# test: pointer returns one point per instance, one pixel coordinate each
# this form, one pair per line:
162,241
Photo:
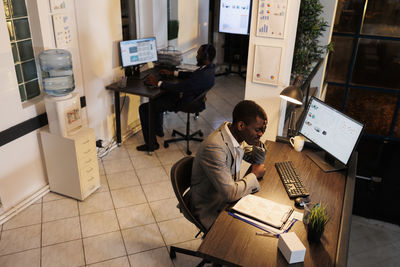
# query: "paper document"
263,210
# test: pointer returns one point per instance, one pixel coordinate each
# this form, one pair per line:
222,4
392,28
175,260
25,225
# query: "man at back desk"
178,94
216,167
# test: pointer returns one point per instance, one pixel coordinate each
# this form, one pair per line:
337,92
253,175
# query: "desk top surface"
136,87
235,241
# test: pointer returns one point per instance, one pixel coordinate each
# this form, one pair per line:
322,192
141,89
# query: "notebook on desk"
263,210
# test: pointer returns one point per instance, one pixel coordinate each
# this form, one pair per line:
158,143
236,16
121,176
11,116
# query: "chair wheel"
166,145
189,152
173,134
201,134
172,254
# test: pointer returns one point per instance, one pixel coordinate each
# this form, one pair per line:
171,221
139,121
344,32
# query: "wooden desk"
134,87
234,243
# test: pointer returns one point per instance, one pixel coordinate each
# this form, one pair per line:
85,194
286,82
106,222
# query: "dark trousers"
167,102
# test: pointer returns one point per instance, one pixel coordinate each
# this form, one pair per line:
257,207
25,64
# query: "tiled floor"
132,219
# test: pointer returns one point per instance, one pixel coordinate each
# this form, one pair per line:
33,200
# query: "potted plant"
317,220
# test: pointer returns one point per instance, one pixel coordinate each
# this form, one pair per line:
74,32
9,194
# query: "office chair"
181,173
194,107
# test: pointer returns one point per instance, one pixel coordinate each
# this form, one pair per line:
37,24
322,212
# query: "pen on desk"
266,234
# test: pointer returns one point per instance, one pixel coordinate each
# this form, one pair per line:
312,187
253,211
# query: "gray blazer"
215,180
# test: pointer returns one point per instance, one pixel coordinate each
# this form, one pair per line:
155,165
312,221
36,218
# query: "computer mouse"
299,203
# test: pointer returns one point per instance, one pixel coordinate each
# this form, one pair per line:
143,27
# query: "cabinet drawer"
89,172
85,145
85,160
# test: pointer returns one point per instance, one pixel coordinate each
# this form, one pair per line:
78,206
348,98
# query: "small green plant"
317,220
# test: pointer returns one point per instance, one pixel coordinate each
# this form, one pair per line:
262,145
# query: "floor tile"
142,238
101,168
158,191
169,156
122,180
103,184
183,260
28,258
152,258
103,247
99,223
177,230
152,175
29,216
118,262
19,239
119,165
52,196
165,209
60,231
65,254
59,209
96,202
117,153
136,215
128,196
145,161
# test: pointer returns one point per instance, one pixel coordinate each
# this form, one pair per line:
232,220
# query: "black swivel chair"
194,107
181,173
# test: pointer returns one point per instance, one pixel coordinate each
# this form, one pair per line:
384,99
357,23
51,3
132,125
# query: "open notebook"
263,210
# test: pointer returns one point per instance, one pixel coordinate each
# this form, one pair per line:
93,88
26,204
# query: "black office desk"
234,243
134,87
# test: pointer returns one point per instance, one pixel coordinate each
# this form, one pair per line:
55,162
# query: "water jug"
57,75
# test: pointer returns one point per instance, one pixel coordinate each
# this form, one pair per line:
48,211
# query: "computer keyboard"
291,180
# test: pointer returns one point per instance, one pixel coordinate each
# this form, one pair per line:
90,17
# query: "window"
22,49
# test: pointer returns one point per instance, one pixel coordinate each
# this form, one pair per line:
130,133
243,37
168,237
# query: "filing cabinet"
71,163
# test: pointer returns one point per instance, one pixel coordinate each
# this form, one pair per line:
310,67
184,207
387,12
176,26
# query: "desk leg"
151,128
117,117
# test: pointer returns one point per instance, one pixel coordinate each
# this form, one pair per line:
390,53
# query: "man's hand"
166,73
151,80
255,154
258,170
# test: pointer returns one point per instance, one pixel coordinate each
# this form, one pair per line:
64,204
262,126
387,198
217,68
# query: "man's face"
253,131
200,57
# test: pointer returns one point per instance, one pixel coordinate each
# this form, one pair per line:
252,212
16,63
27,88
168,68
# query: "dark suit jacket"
192,84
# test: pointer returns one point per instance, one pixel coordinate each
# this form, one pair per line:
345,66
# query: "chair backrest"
181,174
196,105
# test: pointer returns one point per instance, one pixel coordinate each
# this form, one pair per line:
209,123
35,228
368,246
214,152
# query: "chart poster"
271,18
234,16
267,61
56,5
62,31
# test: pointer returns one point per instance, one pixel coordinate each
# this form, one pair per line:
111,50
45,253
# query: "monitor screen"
234,16
135,52
331,130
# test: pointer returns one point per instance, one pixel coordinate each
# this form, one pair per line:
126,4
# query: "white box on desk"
291,247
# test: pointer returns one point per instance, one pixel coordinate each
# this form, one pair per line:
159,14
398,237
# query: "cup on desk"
297,142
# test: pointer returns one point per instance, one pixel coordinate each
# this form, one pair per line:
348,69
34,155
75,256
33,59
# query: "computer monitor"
140,51
234,16
334,132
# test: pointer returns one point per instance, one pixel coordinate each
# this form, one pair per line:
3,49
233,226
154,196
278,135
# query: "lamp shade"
292,93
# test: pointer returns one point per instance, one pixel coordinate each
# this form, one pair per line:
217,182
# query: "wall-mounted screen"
135,52
234,16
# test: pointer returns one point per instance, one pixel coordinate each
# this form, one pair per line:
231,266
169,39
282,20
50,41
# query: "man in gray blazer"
216,167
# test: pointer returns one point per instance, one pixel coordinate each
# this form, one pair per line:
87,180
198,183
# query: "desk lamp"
293,94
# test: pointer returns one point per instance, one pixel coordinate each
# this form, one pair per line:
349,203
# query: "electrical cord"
104,151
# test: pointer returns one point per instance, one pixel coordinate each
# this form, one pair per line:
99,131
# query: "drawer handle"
87,151
91,169
91,178
86,142
88,161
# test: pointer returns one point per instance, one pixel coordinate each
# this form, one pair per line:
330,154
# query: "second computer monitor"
135,52
331,130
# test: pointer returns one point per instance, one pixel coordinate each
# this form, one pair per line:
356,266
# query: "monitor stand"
326,162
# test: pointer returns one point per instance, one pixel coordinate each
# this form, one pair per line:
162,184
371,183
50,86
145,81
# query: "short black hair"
209,51
247,111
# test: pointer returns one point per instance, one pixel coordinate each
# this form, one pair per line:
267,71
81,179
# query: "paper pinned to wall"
56,5
271,18
62,30
267,61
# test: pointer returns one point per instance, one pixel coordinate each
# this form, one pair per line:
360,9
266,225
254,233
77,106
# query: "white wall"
268,95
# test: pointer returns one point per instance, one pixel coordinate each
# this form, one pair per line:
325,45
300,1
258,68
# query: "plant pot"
314,236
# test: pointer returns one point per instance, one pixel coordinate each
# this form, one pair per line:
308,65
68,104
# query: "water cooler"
63,107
